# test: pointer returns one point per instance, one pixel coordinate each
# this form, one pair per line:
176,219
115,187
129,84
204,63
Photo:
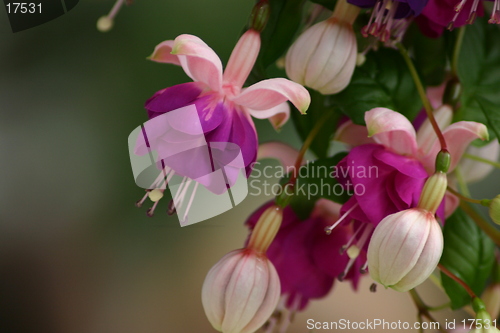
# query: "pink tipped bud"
405,248
324,56
433,192
241,292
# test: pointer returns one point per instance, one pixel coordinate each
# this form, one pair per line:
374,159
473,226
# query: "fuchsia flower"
306,258
404,159
386,14
223,108
441,14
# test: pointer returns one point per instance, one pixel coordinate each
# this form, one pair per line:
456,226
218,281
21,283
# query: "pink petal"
242,59
426,135
199,61
392,130
277,115
287,155
458,136
267,94
162,53
473,171
352,134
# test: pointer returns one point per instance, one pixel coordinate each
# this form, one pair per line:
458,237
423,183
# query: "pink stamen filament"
151,211
329,229
140,202
116,8
360,244
346,246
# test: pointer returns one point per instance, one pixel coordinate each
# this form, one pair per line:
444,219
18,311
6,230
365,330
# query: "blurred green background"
76,255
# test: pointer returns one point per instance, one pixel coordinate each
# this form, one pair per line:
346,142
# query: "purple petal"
172,98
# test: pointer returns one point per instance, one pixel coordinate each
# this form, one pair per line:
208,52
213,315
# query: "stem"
463,197
483,160
423,96
456,50
458,280
490,230
307,143
423,310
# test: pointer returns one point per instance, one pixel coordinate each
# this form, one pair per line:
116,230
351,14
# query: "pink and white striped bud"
242,290
324,56
405,249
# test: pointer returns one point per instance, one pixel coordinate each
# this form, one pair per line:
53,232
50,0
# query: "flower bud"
405,248
491,298
433,192
241,292
495,209
483,322
324,56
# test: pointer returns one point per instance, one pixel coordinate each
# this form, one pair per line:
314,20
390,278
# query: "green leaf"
315,181
304,124
429,54
330,4
479,73
382,81
284,21
469,254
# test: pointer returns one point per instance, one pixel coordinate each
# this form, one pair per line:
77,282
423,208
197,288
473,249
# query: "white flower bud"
324,56
241,292
405,248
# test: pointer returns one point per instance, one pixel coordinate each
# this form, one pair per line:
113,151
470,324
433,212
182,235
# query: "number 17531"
24,8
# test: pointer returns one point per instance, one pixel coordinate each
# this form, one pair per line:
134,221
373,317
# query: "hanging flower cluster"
408,152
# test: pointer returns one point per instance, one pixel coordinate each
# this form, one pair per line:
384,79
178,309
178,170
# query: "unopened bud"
241,292
324,56
405,249
260,16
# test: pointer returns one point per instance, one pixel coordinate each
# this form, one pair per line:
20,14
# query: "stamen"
354,250
151,211
381,20
373,287
139,203
364,269
346,246
171,208
105,23
329,229
495,13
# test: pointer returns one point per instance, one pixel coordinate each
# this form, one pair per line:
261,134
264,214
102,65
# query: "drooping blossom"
404,159
406,246
324,56
242,290
391,166
386,14
308,259
441,14
223,107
